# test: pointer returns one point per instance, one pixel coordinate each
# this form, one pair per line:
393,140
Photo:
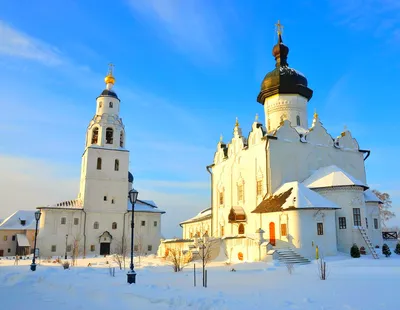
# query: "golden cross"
110,69
279,28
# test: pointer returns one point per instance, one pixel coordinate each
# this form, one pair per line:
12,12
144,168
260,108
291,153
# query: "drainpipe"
123,234
212,213
368,152
267,171
84,235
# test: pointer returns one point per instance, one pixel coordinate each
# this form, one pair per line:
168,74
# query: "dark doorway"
105,248
272,239
1,252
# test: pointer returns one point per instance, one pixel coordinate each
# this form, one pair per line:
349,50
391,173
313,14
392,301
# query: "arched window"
298,120
116,165
100,104
114,225
98,163
241,229
95,135
96,225
109,135
121,139
110,104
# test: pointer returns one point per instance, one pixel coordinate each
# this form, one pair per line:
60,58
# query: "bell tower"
105,161
284,91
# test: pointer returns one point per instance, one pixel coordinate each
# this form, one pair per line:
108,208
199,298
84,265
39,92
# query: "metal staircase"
368,242
289,256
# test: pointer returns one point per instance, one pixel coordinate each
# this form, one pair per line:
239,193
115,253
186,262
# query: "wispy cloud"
381,17
193,26
15,43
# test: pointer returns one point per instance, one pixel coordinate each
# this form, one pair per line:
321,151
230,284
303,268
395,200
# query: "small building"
17,233
197,226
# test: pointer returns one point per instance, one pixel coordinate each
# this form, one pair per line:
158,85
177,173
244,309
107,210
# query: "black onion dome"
283,79
108,93
130,177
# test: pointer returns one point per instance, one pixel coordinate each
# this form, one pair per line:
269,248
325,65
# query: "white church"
287,185
98,221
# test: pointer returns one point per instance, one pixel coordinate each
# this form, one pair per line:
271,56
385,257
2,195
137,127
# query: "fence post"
194,274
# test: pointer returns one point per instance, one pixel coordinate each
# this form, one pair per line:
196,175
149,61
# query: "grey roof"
14,221
145,206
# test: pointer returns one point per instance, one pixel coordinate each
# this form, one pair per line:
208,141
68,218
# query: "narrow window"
96,225
240,192
259,187
100,104
13,238
53,248
222,231
149,247
5,238
241,229
112,201
342,222
376,225
298,120
143,223
221,198
320,229
9,250
95,135
136,248
191,235
92,248
114,225
69,248
110,104
109,135
116,165
105,198
366,223
76,221
155,223
63,220
121,139
283,230
357,216
98,163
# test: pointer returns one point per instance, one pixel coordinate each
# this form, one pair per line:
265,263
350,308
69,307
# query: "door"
272,239
105,248
1,252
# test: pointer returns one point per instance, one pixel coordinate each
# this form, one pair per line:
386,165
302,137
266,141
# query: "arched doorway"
105,242
272,239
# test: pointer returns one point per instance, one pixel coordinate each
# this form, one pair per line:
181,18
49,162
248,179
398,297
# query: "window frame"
63,221
320,229
357,217
241,229
283,230
96,225
149,248
53,248
114,225
240,192
76,221
259,187
142,223
342,222
116,165
109,135
376,223
99,163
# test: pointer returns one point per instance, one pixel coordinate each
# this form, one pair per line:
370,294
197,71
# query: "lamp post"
37,218
133,194
66,242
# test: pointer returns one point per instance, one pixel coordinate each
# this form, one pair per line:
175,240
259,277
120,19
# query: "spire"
344,131
237,132
237,122
221,138
280,51
109,79
256,118
315,114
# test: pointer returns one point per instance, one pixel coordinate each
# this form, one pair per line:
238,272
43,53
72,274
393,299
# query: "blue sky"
184,70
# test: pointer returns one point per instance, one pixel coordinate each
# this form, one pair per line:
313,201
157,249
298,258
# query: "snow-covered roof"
369,196
202,215
67,204
145,206
16,220
331,176
291,196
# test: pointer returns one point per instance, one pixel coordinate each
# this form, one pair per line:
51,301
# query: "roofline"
206,217
59,208
296,209
364,187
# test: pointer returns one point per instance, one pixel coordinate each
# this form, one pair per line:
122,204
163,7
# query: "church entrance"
272,239
104,248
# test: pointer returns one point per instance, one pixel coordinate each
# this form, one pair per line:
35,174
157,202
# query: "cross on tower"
279,28
110,69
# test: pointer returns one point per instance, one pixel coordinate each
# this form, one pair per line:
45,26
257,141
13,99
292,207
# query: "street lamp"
37,218
133,194
66,242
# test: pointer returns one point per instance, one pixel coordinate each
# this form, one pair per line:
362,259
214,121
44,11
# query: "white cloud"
191,25
15,43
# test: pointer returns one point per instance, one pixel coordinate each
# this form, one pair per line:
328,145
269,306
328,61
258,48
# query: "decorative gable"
286,132
318,135
346,141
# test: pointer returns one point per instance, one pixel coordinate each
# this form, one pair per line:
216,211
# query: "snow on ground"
362,284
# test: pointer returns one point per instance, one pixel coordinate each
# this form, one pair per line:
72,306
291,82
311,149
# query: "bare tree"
384,211
120,253
322,269
139,246
207,246
178,258
75,250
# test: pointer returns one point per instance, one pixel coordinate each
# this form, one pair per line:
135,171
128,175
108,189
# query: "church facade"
98,221
290,184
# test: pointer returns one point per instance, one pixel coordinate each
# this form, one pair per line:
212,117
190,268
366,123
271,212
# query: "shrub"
355,251
397,249
65,265
386,250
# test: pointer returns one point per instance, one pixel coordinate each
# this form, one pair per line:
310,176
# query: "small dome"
130,177
109,79
283,79
109,93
